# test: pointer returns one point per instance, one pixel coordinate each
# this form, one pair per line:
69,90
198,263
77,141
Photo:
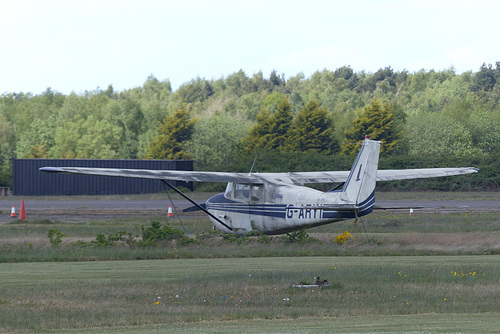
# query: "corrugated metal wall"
27,180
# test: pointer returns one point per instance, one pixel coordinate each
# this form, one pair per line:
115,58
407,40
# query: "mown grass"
86,295
416,324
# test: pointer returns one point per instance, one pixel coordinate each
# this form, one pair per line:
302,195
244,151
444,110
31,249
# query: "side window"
258,193
241,191
274,196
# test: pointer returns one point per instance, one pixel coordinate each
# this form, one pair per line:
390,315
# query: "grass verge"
388,234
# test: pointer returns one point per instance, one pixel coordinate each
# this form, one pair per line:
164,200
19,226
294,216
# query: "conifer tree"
174,131
271,131
280,125
377,121
312,130
258,134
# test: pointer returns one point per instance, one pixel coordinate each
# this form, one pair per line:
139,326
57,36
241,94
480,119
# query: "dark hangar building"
27,180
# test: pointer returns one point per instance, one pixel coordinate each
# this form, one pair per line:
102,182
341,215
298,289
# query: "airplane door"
257,207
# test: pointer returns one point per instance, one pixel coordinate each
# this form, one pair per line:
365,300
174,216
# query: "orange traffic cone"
170,214
22,214
13,212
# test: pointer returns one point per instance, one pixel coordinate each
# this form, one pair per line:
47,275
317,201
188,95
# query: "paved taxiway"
133,205
87,210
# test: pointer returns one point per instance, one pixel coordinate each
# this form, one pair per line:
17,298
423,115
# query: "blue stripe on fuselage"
219,202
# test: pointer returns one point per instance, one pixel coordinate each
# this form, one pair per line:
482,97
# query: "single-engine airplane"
276,203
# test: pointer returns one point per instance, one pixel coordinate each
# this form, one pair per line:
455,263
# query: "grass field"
421,323
367,294
427,273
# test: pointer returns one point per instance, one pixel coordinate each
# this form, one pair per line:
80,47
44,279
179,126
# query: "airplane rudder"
360,183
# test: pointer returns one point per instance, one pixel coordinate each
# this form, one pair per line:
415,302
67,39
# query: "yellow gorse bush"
341,238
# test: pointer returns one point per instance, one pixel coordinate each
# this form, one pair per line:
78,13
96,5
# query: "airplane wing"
422,173
176,175
298,178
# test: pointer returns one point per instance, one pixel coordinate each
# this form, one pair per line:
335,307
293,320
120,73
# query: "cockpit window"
242,191
257,193
245,192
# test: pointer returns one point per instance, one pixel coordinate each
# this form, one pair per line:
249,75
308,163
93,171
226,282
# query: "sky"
84,45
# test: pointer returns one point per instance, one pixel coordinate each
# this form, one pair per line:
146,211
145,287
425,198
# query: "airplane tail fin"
359,187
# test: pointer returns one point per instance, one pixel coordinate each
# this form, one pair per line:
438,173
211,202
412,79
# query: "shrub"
102,241
231,237
151,235
265,239
55,237
300,236
342,238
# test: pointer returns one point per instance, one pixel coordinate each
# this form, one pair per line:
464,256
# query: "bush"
102,241
340,239
238,239
300,236
151,235
55,237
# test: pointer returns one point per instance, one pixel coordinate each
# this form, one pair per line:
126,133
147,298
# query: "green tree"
257,137
312,130
197,90
485,78
174,132
34,142
217,139
431,134
279,126
379,122
7,144
272,131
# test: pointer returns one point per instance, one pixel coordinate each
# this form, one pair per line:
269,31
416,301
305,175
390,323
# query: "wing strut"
196,204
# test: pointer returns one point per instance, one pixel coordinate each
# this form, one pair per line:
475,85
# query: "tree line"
223,124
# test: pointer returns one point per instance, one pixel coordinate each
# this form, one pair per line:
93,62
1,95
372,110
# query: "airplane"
277,203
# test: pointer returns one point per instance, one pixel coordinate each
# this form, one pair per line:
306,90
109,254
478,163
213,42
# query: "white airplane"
276,203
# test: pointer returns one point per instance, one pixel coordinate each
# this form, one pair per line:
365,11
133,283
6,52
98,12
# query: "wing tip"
51,169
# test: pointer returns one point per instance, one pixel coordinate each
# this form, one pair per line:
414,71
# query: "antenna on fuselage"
253,164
